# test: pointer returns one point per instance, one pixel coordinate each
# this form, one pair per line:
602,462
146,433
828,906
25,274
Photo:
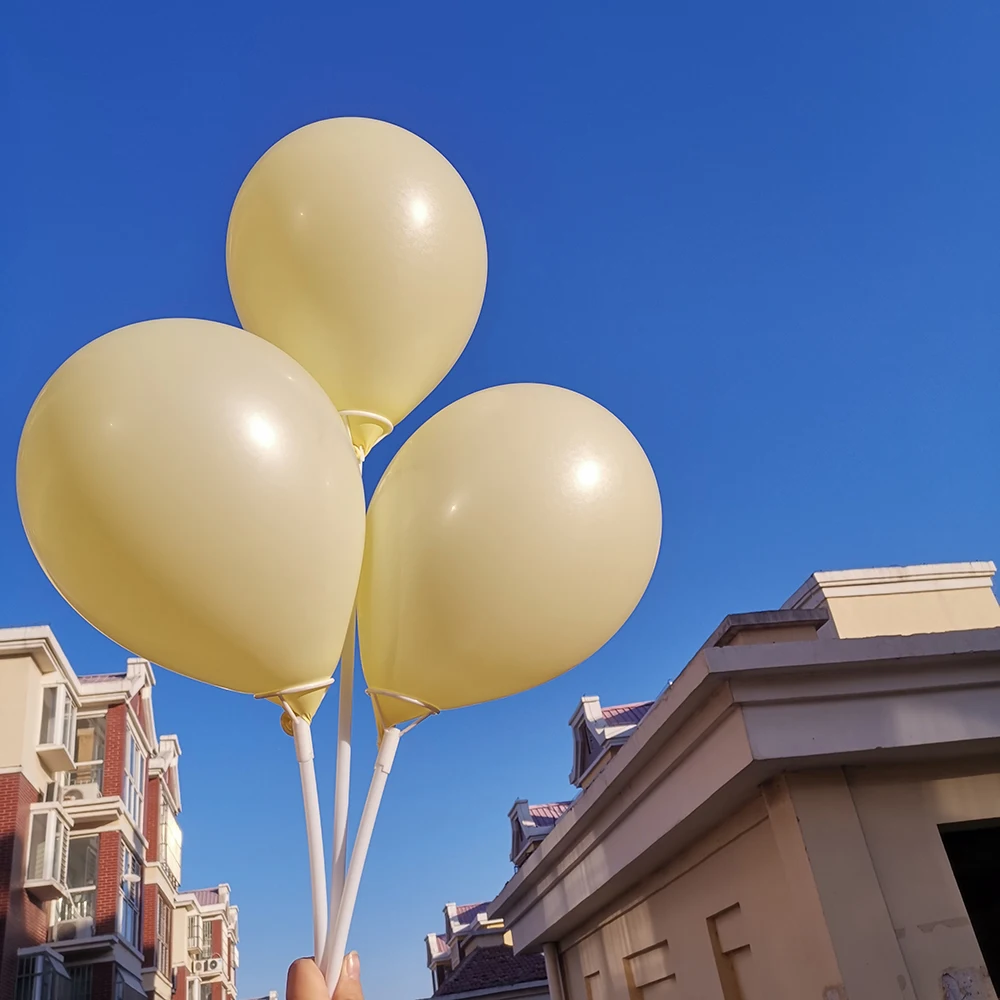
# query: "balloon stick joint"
288,716
296,689
383,424
428,708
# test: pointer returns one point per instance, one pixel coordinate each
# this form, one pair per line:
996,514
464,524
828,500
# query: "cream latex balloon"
508,540
191,491
357,248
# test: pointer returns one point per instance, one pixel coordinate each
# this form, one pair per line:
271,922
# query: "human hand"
305,981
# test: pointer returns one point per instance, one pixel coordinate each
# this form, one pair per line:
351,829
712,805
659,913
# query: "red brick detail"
217,993
103,982
108,884
152,819
23,920
151,897
114,750
217,940
180,983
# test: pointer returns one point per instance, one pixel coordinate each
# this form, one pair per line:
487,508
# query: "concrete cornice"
736,716
39,642
891,580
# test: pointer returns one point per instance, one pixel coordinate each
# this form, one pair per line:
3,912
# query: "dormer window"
57,733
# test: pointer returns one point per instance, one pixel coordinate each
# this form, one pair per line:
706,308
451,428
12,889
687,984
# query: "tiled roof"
547,814
441,943
94,678
469,910
206,896
626,715
488,968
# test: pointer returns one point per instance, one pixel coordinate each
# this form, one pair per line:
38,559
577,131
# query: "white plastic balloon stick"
336,943
314,829
342,791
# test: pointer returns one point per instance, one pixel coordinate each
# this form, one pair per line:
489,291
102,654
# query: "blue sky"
765,235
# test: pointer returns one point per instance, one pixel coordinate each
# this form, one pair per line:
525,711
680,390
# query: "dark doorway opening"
974,853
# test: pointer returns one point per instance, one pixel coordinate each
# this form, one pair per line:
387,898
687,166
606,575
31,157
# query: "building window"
135,777
208,938
170,841
194,933
163,914
206,991
39,978
81,979
90,735
58,716
81,877
47,848
192,990
129,897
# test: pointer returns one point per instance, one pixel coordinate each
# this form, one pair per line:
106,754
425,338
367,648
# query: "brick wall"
108,881
152,819
114,750
150,899
103,983
23,920
180,983
217,939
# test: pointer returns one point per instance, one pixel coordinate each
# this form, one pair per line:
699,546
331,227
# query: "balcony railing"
39,978
79,906
90,773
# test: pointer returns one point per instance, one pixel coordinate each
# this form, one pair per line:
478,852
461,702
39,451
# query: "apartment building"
810,808
474,960
91,905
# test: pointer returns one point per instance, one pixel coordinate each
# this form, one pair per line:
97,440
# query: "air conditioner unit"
72,930
86,792
209,967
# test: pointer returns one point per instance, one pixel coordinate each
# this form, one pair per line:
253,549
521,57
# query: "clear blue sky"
765,235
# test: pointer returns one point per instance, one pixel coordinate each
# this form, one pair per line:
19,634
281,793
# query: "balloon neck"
299,702
366,430
393,709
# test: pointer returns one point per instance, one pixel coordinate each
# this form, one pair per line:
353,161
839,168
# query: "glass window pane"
82,862
48,731
69,718
90,739
36,845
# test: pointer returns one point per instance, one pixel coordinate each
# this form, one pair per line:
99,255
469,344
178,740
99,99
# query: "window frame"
129,909
164,934
54,845
95,766
133,785
59,730
69,908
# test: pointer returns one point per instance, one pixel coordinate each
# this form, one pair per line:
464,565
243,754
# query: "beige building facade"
811,809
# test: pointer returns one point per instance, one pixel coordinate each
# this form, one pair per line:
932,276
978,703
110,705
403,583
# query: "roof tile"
488,968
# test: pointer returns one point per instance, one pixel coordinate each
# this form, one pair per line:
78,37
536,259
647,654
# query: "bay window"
58,728
48,843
